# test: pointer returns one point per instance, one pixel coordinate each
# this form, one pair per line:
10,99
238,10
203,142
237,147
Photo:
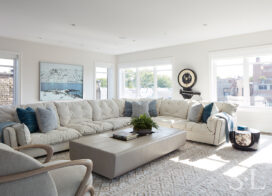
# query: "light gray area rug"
196,169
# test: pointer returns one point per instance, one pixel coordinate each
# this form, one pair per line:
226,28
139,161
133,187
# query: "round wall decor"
187,78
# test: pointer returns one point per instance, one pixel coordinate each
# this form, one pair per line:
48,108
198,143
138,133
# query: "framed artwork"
60,81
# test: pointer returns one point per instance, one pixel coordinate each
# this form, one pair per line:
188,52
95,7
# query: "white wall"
196,57
32,53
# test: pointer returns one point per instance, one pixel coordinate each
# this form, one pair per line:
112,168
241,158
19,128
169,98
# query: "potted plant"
143,125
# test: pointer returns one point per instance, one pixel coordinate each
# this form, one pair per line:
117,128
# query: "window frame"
244,53
110,78
141,64
16,74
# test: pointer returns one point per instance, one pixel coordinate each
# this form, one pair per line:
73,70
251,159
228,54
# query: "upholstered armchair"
22,175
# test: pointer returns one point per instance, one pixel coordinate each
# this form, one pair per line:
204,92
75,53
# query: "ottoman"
245,140
112,157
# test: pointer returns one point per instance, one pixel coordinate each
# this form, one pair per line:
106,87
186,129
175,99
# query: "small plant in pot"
143,124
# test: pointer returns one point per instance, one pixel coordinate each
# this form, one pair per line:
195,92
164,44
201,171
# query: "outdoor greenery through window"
245,80
101,83
7,82
146,82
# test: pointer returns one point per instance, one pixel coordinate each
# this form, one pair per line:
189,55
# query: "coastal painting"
60,81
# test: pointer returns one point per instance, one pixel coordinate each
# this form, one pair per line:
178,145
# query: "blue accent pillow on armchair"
207,112
28,117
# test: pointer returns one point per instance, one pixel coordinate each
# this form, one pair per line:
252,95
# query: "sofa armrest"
217,126
10,138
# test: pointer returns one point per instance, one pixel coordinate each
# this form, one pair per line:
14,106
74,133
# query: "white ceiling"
123,26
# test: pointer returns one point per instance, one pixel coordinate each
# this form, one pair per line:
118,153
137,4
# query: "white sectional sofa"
86,117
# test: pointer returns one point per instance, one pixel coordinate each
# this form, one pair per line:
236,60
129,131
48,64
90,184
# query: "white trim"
110,78
141,64
243,53
149,62
17,73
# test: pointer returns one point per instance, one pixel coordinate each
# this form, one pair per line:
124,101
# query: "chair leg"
89,189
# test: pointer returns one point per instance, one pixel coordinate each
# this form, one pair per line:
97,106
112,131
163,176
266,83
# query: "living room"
187,84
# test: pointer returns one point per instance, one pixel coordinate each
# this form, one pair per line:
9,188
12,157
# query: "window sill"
255,108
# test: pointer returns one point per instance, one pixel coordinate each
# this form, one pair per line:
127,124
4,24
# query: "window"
8,78
101,83
146,82
246,80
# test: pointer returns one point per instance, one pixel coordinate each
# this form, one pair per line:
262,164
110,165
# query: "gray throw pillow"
140,108
47,119
153,108
195,112
128,109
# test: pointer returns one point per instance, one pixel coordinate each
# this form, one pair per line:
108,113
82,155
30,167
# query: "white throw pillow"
22,133
229,108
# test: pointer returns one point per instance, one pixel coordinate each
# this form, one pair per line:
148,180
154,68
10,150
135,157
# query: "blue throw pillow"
153,108
128,109
28,117
207,112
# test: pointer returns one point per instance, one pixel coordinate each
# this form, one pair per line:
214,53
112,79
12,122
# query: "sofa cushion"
60,135
74,111
8,113
119,122
102,126
180,124
176,108
91,127
121,105
104,109
84,128
167,121
200,128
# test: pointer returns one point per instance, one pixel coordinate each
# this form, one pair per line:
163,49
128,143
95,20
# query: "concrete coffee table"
112,157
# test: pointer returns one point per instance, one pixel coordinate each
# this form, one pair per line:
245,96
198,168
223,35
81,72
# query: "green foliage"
143,122
147,79
103,82
130,78
164,82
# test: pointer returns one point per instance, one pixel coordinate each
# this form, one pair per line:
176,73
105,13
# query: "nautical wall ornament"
187,79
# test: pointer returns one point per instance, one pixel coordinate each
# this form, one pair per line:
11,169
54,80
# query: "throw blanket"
3,125
229,123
